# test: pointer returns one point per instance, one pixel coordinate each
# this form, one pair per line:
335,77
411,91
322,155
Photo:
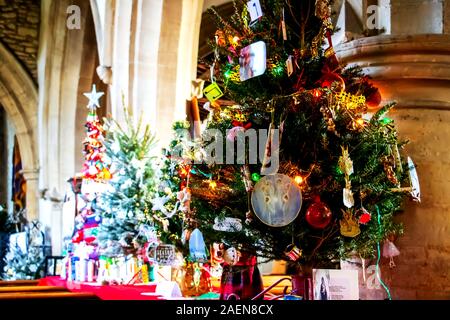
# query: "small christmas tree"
26,263
95,174
127,204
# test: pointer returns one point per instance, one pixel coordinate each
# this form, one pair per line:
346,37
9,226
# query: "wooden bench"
31,289
16,283
47,295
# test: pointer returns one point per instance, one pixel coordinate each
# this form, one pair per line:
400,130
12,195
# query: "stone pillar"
50,208
417,16
414,70
32,197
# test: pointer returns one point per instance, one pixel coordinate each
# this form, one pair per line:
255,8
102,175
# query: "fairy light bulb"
298,180
227,74
316,93
212,184
360,122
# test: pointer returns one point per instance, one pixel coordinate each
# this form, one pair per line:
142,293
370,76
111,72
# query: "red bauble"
374,99
318,215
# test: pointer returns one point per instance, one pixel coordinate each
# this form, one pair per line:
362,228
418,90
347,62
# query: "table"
105,292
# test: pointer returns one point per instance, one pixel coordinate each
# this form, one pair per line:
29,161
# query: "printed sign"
333,284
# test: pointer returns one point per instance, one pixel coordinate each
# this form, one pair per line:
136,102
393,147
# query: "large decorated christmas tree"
322,173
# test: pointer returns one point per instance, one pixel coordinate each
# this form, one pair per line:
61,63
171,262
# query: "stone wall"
19,30
3,157
422,270
414,70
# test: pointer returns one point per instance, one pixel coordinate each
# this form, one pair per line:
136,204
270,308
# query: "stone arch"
66,70
19,97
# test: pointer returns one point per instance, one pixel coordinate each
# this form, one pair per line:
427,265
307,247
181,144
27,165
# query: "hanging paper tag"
213,92
289,66
348,198
283,28
254,8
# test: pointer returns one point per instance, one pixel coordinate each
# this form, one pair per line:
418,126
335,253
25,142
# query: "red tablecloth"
118,292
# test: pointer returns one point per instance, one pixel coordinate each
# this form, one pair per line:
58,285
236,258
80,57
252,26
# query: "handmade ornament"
213,92
289,66
220,38
246,178
323,10
159,204
364,216
195,120
390,251
231,256
345,163
349,225
388,163
217,252
330,53
283,26
347,195
329,119
227,224
346,166
197,88
252,60
248,217
276,200
330,79
318,215
165,255
293,252
184,196
270,163
197,247
193,279
415,185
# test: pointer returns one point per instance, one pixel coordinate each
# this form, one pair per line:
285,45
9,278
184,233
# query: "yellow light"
212,184
235,40
298,179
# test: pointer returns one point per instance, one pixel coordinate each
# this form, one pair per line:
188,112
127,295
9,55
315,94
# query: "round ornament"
374,99
231,256
318,214
276,200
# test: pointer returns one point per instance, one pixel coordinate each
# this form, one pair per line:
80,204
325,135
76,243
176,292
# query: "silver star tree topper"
93,97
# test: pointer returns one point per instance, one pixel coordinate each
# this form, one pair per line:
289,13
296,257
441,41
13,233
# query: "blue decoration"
197,247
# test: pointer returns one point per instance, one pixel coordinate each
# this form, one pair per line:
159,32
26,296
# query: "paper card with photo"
333,284
252,60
